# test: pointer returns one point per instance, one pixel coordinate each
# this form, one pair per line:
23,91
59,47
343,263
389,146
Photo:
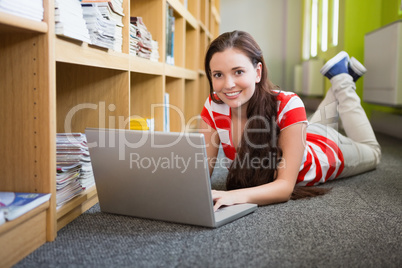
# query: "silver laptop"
156,175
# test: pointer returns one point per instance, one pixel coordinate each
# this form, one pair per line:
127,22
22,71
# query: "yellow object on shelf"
138,124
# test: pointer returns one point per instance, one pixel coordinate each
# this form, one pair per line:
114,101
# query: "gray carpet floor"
357,224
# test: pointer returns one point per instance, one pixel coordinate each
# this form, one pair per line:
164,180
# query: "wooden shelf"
69,85
14,24
80,53
215,14
141,65
180,9
75,207
179,72
205,29
21,236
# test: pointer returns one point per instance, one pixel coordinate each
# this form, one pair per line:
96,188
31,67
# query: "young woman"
265,133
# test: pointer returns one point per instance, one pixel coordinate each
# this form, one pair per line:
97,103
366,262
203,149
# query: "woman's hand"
226,198
292,141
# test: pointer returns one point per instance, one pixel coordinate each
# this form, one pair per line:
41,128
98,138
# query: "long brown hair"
261,115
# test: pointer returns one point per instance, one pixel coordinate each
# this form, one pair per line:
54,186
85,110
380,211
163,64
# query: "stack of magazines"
141,43
111,11
69,20
101,30
74,169
30,9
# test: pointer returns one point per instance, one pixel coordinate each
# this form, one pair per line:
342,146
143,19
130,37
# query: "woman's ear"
258,70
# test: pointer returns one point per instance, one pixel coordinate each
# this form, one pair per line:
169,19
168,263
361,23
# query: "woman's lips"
232,95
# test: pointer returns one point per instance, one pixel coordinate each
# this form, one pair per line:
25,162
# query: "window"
335,22
306,30
324,26
323,13
314,28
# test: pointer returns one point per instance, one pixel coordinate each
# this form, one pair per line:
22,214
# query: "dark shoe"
356,69
336,65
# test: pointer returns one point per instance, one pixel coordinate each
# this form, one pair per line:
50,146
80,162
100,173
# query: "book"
69,20
13,205
166,121
2,217
151,124
30,9
170,29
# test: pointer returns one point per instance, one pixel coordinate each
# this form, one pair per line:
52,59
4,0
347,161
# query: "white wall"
293,43
276,26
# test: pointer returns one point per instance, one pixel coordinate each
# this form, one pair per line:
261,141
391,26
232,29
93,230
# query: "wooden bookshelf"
18,238
12,24
53,84
76,207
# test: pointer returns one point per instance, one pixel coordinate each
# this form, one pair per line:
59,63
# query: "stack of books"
101,30
117,15
74,169
69,20
117,6
141,43
30,9
111,11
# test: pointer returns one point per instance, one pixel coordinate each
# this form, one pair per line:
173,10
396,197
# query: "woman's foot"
337,65
356,69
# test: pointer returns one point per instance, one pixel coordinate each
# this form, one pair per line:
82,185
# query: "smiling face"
234,77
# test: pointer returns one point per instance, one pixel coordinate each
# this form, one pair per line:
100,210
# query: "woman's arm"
212,142
292,140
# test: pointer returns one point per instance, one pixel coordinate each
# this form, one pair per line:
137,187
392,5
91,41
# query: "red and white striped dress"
322,160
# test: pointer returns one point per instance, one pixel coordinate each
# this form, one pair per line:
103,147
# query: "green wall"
361,17
358,17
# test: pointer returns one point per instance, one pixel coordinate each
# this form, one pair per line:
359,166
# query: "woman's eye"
238,72
217,75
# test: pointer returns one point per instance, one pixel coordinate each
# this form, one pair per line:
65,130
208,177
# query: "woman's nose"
229,82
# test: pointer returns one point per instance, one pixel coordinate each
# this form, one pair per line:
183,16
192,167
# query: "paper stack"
112,11
69,20
101,30
74,170
141,43
117,15
30,9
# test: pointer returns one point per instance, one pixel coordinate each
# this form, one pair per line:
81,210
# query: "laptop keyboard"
221,209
